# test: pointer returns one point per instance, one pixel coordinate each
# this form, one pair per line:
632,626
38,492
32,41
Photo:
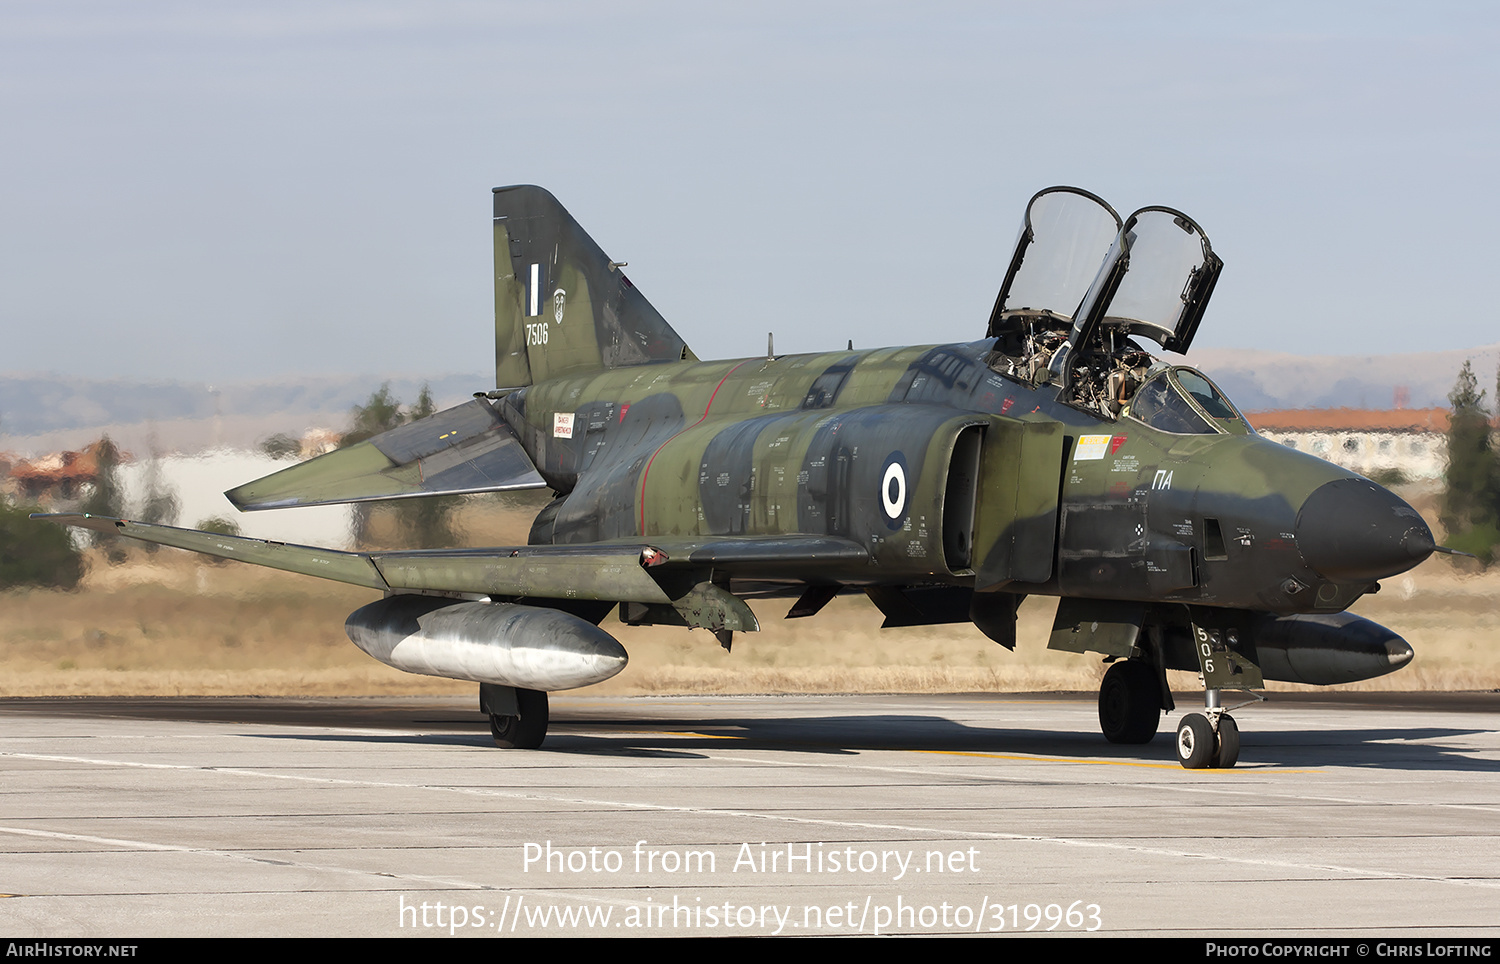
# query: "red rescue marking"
1115,443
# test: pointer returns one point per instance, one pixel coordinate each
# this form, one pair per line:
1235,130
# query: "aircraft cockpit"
1083,285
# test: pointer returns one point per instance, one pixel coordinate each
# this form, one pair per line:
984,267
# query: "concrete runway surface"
1350,815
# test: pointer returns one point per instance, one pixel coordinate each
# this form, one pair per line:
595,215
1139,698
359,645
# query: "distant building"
59,475
1412,441
318,441
198,482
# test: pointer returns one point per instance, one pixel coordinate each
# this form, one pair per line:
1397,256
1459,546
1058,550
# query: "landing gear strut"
518,718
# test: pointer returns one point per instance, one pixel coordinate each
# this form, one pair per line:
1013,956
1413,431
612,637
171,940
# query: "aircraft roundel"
894,489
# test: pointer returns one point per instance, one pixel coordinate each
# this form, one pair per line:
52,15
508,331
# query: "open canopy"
1076,265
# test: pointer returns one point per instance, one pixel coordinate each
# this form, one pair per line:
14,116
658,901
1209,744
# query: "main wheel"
1129,703
1229,743
1196,746
524,732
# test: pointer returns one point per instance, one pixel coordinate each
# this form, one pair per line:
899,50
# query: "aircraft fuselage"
900,450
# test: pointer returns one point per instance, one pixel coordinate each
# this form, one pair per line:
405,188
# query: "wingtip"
82,520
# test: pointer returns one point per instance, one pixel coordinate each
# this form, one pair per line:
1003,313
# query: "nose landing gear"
1208,741
1211,739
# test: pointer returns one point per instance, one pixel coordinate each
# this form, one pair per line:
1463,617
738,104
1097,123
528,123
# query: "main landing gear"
1130,702
518,718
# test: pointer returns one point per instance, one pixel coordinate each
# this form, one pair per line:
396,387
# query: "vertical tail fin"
561,306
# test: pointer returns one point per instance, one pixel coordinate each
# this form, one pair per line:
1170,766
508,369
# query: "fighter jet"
1056,456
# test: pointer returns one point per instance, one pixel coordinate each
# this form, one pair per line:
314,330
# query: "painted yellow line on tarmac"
1112,763
679,733
1019,757
1031,758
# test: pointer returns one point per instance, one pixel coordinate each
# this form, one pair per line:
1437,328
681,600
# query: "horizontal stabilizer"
468,448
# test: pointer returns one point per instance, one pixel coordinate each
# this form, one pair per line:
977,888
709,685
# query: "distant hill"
40,412
1274,380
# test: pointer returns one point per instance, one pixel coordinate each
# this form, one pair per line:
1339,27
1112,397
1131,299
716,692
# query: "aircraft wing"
468,448
660,572
350,567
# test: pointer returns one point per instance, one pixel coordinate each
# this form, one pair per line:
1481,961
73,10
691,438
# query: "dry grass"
172,624
177,626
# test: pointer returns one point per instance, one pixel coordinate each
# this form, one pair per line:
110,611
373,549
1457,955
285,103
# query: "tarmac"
1350,815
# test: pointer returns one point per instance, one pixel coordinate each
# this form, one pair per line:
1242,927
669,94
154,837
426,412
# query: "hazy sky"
221,190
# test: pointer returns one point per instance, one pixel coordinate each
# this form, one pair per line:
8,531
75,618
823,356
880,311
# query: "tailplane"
562,307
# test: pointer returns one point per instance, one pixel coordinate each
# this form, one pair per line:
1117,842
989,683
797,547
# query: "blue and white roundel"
894,489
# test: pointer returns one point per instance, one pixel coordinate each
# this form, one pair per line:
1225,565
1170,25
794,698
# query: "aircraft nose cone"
1353,529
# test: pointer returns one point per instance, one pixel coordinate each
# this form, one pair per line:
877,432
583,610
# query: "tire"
1130,703
1229,743
524,732
1196,746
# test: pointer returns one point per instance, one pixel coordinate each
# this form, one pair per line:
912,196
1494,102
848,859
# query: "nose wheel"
1204,743
1211,739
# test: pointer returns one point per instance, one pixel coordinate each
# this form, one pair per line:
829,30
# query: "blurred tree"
422,523
221,525
159,506
218,524
106,499
427,523
36,553
425,405
380,414
1471,502
281,446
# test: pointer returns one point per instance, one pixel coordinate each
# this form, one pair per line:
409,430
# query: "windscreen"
1159,405
1208,397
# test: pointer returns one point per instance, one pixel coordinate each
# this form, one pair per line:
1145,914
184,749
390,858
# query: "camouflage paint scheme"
799,445
937,479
